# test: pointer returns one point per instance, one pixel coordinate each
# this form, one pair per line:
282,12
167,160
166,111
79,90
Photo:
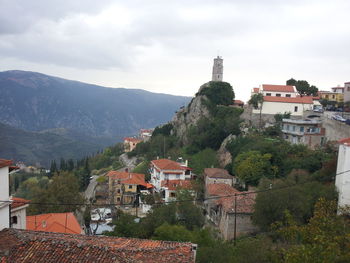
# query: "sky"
168,46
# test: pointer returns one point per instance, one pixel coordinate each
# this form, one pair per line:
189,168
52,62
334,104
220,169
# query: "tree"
324,239
257,100
53,168
219,93
251,166
172,233
303,87
63,166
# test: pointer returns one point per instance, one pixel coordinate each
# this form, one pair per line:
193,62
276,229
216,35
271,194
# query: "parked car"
338,118
318,110
347,121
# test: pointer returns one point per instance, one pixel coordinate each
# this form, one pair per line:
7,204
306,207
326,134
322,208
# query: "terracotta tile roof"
345,141
128,178
5,163
255,90
304,100
220,190
174,184
238,102
54,222
131,139
217,173
18,202
245,203
42,247
166,164
280,88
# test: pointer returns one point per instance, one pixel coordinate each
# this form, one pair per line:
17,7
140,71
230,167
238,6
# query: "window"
301,128
349,88
296,109
288,95
118,199
177,176
130,186
118,191
268,94
278,95
333,96
14,220
287,127
293,128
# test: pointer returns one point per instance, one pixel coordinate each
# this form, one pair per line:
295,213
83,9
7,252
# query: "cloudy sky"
168,46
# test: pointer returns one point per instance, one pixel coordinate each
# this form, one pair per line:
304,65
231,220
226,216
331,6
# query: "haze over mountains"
75,111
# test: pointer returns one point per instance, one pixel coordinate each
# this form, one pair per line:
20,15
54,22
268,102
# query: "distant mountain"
35,102
42,147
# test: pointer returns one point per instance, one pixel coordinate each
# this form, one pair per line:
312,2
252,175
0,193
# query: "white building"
19,213
218,69
283,99
167,174
342,179
347,91
5,169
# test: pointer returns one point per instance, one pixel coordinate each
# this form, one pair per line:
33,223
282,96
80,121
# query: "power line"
170,202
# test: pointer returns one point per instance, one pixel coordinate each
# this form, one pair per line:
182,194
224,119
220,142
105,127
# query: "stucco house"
125,187
130,143
308,132
342,179
228,212
217,175
18,212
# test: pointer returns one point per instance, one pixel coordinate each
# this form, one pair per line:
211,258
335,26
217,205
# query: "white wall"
282,107
21,217
342,180
283,94
4,195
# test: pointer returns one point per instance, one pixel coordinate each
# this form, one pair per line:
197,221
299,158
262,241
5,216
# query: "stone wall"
335,130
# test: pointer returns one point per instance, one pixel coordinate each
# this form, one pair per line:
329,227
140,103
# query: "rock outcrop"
223,155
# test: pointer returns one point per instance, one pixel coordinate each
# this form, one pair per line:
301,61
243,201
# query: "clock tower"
218,69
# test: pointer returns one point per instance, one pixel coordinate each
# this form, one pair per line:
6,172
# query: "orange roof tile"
175,184
217,173
255,90
134,140
128,178
278,88
220,189
43,247
238,102
303,100
5,163
345,141
18,202
166,164
54,222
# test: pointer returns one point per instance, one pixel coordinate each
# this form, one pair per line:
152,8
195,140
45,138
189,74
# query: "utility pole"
235,225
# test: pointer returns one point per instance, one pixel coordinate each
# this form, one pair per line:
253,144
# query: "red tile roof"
175,184
42,247
220,190
303,100
217,173
54,222
245,200
18,202
134,140
238,102
278,88
5,163
128,178
166,164
255,90
345,141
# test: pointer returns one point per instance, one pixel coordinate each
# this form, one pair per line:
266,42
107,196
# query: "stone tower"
218,69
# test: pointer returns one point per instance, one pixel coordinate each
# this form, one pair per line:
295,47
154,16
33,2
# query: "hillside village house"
125,187
18,213
284,98
342,179
54,222
217,175
146,134
44,247
225,214
308,132
165,172
336,95
347,91
130,143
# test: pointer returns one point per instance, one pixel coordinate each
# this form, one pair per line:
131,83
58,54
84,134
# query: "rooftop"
54,222
43,247
278,88
174,184
18,202
128,178
5,163
217,173
166,164
131,139
303,100
345,141
302,122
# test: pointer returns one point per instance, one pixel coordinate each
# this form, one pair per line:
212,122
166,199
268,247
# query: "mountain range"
37,105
